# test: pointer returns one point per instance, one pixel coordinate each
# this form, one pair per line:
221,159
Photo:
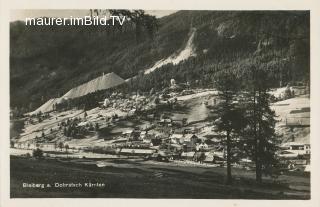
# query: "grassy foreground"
139,180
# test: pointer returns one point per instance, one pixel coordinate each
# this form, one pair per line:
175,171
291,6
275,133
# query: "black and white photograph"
160,104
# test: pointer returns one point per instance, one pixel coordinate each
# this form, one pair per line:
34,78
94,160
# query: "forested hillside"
47,61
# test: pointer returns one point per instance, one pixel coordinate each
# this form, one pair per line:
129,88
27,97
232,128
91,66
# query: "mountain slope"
46,62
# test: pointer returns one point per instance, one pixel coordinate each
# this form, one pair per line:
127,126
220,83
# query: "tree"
66,147
157,100
37,153
261,123
139,18
96,126
65,131
151,25
60,145
230,121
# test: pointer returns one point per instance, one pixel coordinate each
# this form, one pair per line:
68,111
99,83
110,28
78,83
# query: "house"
158,157
220,154
187,155
288,155
219,157
48,146
131,135
192,138
176,138
150,116
186,130
127,133
171,148
307,168
297,148
132,112
180,122
145,137
143,134
188,141
202,146
135,135
209,157
188,147
164,122
106,102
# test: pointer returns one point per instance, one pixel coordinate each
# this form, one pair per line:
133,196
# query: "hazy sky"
22,14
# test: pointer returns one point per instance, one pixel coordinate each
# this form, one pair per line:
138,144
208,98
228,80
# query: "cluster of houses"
182,144
129,104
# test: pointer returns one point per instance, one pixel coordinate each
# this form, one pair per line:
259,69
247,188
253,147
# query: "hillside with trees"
47,61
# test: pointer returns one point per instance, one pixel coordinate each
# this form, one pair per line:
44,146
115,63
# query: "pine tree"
229,115
262,139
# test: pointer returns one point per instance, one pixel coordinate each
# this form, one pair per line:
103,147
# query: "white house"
298,148
176,138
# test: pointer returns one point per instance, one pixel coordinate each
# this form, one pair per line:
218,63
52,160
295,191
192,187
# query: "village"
172,126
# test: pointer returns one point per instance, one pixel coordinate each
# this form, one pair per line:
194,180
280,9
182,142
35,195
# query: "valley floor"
135,178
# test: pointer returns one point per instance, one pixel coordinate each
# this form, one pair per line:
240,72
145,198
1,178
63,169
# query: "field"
133,178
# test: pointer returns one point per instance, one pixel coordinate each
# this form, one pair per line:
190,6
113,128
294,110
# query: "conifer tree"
229,115
262,138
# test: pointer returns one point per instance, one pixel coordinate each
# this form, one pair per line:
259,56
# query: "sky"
22,14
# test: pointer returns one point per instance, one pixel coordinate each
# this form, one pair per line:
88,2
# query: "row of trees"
38,153
245,119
